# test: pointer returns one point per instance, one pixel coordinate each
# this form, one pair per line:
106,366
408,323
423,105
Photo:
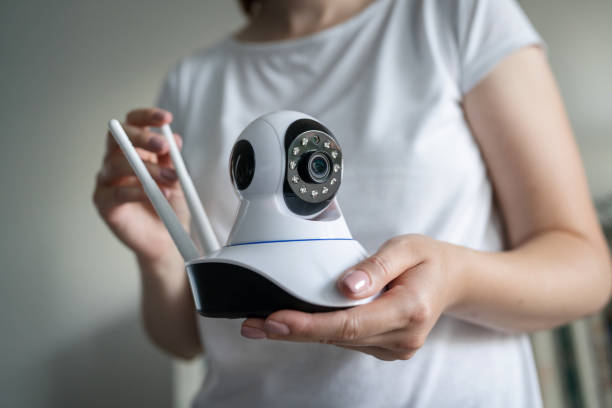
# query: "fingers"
396,345
124,194
148,117
165,159
374,273
136,126
378,352
143,138
116,167
253,328
387,313
399,341
108,197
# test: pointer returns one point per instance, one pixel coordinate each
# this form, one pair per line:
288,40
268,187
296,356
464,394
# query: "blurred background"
70,334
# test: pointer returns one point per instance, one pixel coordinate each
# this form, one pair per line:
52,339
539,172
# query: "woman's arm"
167,306
557,267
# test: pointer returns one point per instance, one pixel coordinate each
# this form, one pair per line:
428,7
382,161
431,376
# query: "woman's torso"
388,83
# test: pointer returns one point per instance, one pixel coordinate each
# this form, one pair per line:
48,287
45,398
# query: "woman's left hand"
421,284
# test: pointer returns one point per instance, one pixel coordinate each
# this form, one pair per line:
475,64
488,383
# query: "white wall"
69,329
579,37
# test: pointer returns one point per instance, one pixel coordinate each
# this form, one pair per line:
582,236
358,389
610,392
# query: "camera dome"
291,155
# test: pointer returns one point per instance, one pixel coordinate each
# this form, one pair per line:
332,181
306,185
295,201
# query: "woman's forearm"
549,280
559,266
167,307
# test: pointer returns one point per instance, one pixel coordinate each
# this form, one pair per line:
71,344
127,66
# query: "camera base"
257,279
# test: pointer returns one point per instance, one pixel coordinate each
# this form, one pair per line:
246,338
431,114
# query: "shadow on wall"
113,367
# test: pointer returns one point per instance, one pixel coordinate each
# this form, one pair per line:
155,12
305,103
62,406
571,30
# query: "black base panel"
231,291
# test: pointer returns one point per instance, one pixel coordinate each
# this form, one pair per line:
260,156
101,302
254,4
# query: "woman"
461,177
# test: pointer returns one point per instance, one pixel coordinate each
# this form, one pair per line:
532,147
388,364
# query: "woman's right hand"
120,198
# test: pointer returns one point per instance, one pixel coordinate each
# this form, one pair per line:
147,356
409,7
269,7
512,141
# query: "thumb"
371,275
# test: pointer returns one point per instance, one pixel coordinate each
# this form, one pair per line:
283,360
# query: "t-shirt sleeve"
488,31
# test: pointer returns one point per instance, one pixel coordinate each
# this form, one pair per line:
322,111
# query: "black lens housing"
311,182
242,164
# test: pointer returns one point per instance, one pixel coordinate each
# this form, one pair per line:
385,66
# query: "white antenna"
163,208
202,224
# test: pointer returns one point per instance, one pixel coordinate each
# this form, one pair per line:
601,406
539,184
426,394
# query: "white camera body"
285,250
289,243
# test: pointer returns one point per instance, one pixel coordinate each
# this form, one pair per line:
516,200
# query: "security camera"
290,155
289,243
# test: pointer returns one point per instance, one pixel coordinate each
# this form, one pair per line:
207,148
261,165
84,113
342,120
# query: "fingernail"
252,333
356,281
168,174
273,327
167,193
159,116
156,143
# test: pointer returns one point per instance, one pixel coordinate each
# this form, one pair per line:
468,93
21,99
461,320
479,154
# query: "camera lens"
242,164
319,167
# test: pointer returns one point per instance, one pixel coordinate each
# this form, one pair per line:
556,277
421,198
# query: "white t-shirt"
388,83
